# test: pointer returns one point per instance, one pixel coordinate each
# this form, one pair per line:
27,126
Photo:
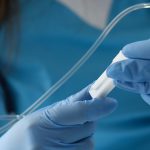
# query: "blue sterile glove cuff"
133,74
68,124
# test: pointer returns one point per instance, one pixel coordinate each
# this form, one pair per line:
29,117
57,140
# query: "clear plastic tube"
8,117
76,67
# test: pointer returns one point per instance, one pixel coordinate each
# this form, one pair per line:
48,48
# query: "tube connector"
104,85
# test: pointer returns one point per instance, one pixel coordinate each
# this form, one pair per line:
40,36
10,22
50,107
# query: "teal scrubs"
52,39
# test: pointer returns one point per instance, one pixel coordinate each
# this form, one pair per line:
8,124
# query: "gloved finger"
140,87
79,112
130,70
79,96
137,50
84,144
72,133
79,132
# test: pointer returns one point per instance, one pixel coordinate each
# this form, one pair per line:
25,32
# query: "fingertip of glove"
127,48
112,70
101,107
133,50
107,102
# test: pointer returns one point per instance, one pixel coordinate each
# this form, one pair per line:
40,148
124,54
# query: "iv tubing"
75,68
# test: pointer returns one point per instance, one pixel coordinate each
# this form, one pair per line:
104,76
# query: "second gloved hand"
133,74
65,125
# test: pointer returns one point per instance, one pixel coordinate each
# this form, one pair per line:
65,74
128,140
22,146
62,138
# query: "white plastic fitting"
104,85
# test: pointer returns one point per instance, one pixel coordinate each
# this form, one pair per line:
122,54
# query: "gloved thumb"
80,112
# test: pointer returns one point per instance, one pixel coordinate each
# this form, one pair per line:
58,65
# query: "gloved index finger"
137,50
130,70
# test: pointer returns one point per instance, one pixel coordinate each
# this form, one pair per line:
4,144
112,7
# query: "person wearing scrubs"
50,36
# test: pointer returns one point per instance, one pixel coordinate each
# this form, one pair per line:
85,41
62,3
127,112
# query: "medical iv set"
100,88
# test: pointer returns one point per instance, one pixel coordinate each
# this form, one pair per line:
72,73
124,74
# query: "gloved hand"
133,74
65,125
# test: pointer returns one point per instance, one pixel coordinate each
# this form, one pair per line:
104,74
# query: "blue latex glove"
133,74
65,125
